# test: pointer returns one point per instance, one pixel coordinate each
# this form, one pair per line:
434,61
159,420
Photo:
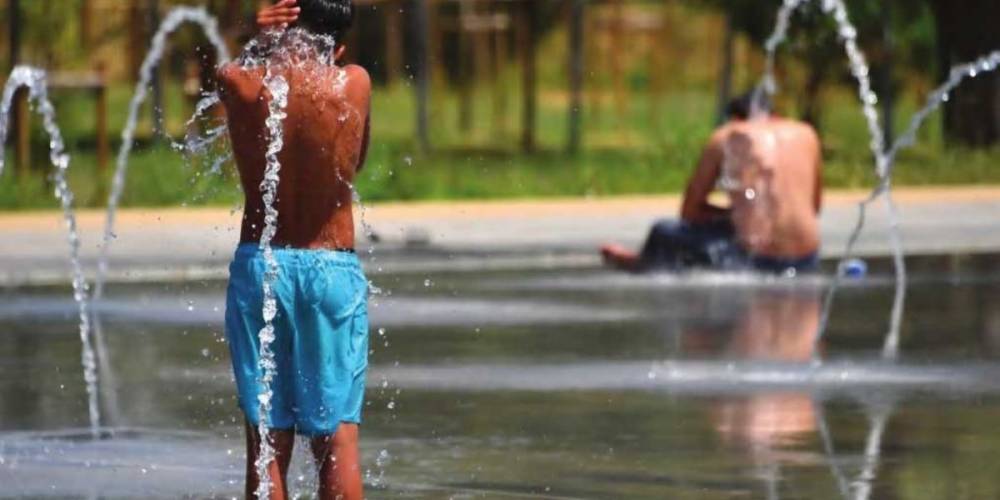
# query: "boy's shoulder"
358,73
237,81
358,79
358,85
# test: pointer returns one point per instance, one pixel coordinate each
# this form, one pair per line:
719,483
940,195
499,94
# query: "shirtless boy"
321,327
770,167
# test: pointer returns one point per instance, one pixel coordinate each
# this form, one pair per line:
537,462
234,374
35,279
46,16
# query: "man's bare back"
771,170
325,143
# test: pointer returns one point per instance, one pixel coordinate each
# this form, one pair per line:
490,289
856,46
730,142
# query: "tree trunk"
966,30
421,34
726,70
886,81
393,44
811,106
86,26
576,73
527,26
19,113
136,40
157,83
466,78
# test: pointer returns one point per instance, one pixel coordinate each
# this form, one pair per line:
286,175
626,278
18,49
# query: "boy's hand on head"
279,15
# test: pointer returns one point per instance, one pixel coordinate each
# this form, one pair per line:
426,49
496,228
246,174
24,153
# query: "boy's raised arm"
280,14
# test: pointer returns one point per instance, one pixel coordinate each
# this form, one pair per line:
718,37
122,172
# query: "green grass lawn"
650,147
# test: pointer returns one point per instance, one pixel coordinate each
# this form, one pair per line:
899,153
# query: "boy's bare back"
325,143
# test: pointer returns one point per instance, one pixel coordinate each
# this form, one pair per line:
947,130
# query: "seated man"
771,169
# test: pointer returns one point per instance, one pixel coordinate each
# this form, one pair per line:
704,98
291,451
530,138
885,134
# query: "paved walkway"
179,243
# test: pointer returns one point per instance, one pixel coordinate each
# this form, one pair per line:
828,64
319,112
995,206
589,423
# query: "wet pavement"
189,244
554,383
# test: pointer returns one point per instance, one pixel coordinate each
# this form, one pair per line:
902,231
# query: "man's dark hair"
743,106
327,17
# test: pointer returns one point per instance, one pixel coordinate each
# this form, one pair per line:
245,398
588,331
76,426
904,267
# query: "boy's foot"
620,257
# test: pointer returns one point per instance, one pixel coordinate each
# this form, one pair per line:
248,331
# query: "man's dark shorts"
678,245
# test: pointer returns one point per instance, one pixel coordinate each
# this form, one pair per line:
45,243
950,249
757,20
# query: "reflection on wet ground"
544,384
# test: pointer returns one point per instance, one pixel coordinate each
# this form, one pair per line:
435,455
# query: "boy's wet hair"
327,17
742,107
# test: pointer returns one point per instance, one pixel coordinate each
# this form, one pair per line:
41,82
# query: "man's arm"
696,207
818,172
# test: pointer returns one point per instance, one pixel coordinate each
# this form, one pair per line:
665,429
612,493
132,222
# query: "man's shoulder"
798,126
722,132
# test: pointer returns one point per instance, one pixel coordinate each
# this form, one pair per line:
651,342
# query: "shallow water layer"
572,383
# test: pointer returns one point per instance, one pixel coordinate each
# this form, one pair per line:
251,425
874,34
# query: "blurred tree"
893,33
50,32
966,30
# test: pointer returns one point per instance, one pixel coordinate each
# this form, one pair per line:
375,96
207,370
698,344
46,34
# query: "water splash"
936,99
35,80
277,86
885,161
206,138
768,85
858,64
859,487
869,100
860,70
194,143
884,156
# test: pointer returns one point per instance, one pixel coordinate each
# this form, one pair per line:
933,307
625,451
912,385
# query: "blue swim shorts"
321,337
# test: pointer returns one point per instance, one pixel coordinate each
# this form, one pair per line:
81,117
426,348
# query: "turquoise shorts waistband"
252,250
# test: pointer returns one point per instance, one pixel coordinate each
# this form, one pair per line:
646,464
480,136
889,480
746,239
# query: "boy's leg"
339,468
282,441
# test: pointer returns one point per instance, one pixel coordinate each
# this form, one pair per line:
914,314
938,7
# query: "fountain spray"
36,81
885,157
869,100
174,19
